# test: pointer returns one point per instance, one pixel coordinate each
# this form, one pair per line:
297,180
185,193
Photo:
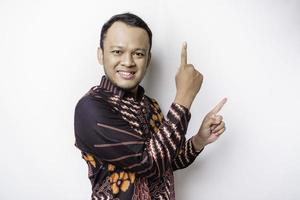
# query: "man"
131,149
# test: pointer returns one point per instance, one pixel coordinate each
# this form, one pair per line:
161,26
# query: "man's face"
125,55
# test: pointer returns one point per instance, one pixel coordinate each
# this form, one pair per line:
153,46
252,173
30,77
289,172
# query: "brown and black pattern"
131,149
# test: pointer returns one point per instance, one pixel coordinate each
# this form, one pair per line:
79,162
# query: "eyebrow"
136,49
140,49
116,47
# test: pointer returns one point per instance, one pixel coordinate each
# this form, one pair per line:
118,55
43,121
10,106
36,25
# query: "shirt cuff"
185,111
194,151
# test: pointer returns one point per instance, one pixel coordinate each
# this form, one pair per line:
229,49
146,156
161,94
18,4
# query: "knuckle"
190,66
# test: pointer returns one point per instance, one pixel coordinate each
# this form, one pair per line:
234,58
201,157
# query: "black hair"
129,19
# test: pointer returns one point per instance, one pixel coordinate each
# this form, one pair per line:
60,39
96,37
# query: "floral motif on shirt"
155,104
89,159
111,167
120,181
157,116
155,121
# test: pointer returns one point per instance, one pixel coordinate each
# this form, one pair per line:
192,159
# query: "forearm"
186,156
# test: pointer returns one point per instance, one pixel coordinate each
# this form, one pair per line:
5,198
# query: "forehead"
121,34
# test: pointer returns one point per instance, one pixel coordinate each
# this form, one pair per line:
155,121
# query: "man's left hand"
211,128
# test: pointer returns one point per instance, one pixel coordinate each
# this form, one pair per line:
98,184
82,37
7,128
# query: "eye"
139,54
116,52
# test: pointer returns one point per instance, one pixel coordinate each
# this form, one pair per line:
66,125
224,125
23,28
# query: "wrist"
198,145
183,100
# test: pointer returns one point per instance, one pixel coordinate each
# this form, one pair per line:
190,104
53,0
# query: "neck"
134,91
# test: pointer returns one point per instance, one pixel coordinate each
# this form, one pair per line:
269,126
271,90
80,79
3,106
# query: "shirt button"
144,110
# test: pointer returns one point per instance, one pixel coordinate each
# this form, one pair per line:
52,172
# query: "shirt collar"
107,85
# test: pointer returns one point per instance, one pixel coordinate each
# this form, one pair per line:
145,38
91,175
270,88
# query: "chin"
127,87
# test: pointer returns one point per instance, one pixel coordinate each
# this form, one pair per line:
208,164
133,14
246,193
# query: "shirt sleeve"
101,131
186,156
187,153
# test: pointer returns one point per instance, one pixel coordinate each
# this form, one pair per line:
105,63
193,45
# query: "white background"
247,51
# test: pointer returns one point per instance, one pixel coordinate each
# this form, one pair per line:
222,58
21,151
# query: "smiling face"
125,55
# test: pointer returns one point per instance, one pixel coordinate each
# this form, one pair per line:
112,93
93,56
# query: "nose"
127,60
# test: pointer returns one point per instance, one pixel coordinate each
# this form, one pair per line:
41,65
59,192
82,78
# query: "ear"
100,55
149,59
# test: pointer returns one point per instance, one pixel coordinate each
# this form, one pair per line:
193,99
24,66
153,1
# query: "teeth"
125,74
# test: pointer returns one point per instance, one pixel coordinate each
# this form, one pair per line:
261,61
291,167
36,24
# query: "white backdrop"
247,51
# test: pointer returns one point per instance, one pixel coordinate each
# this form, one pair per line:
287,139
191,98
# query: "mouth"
128,75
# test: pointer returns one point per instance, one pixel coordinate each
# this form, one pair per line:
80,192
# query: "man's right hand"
188,81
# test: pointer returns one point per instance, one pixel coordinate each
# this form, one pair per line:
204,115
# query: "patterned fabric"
130,148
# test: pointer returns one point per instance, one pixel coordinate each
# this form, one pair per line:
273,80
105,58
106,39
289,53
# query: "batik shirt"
130,148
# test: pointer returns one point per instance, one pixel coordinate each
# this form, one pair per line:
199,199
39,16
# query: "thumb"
209,121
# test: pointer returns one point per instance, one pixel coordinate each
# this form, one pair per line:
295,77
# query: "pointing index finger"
219,106
184,54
